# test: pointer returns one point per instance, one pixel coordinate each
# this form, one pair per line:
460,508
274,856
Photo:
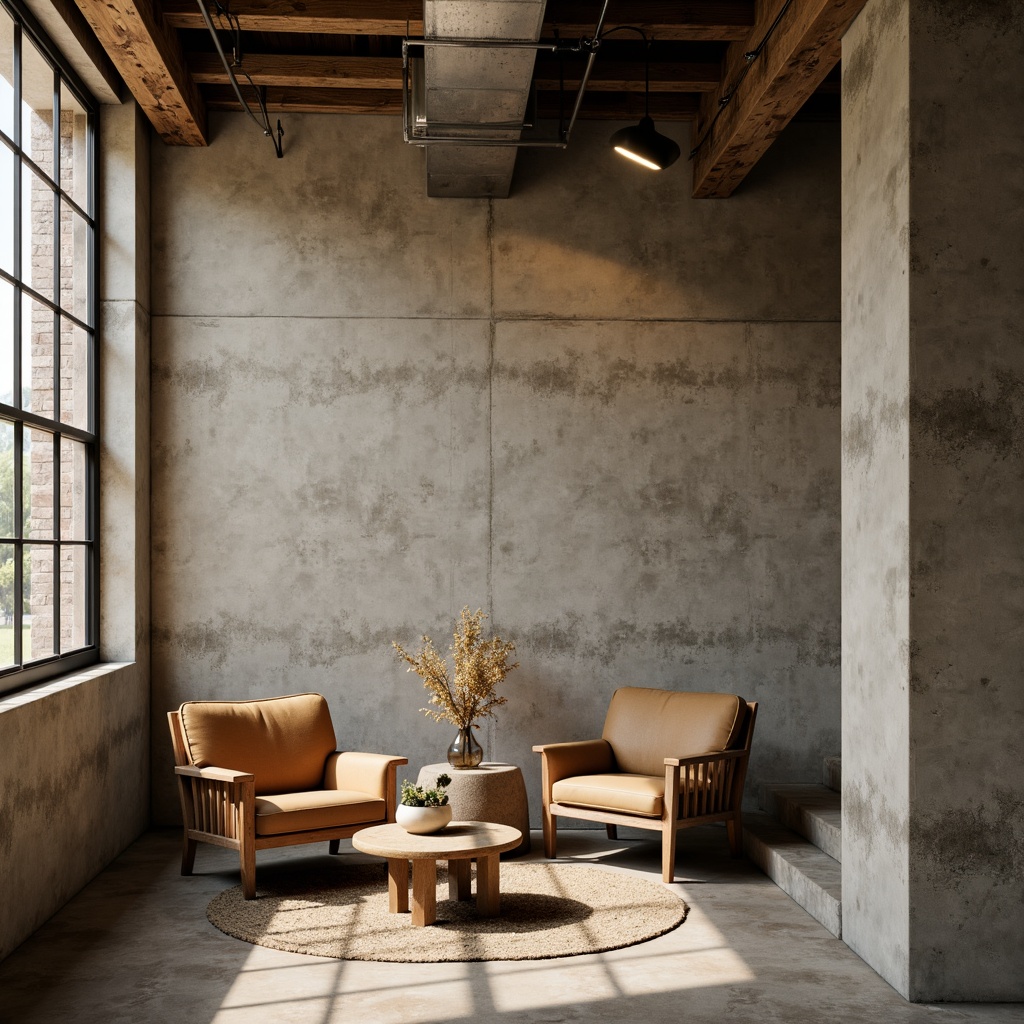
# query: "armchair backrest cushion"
283,741
644,726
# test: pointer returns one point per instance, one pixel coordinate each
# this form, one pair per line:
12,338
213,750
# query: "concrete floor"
135,946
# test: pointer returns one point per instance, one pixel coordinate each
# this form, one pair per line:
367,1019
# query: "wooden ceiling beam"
304,72
661,19
149,58
288,99
628,76
386,73
803,50
599,106
329,17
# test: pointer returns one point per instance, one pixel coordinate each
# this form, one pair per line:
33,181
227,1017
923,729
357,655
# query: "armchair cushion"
322,808
367,773
283,741
645,726
626,794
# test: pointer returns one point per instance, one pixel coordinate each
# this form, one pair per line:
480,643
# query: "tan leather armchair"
665,761
257,774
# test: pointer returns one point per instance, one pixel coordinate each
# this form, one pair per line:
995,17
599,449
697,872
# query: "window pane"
36,106
7,605
6,75
6,209
37,591
36,357
37,206
6,479
74,262
6,343
75,355
37,484
74,163
73,469
73,570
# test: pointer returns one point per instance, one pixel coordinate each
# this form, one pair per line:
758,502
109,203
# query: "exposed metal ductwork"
475,87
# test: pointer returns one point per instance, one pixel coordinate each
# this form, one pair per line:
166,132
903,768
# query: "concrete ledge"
42,691
810,877
811,811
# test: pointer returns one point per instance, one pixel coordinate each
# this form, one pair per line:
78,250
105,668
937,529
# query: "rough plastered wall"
74,753
601,410
933,567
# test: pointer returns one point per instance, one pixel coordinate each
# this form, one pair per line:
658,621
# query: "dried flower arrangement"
480,666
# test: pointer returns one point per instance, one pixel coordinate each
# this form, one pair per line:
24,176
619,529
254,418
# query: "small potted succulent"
423,810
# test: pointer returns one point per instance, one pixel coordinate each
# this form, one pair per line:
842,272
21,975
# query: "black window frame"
39,670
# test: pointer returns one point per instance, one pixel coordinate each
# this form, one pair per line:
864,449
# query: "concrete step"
810,877
811,811
832,773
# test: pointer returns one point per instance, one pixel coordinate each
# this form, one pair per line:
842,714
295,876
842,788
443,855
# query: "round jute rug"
547,910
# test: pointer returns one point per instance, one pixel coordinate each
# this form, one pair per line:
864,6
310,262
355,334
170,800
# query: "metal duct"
477,87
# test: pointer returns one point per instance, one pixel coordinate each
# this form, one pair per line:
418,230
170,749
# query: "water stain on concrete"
960,420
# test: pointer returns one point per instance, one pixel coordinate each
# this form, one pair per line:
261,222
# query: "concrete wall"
933,396
876,492
74,775
605,412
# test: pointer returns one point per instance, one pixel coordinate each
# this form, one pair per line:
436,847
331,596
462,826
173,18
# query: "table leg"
424,892
487,897
459,884
398,886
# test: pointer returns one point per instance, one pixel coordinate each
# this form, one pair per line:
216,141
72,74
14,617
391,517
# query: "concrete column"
933,484
124,394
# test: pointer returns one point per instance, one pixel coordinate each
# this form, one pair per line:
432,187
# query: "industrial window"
48,448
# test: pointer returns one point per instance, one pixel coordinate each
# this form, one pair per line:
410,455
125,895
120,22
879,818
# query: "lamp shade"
644,144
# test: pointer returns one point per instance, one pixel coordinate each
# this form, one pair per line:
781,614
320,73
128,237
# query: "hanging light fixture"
641,142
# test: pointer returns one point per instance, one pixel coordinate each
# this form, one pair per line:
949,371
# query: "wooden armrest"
711,755
216,774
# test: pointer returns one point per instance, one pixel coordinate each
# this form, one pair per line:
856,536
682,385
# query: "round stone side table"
492,792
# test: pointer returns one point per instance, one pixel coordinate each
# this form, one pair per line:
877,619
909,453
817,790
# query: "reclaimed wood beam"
386,73
804,48
148,56
288,99
328,17
600,106
304,72
660,19
628,76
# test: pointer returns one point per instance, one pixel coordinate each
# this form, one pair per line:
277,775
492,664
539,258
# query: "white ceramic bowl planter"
422,821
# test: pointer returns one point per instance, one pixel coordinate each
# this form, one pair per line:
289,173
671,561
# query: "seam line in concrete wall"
538,318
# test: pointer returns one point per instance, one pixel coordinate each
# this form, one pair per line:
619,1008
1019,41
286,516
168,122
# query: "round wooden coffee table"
459,843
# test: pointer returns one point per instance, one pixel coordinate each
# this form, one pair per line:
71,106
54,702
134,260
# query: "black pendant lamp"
641,142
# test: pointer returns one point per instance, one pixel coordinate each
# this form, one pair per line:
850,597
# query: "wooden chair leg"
188,854
612,830
734,826
333,846
247,855
247,833
550,826
668,855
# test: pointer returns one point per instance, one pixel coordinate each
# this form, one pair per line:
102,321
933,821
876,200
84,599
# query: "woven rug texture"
547,910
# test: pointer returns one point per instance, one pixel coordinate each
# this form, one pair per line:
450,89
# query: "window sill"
41,691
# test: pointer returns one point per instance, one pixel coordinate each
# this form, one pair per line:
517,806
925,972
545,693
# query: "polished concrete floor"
135,946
